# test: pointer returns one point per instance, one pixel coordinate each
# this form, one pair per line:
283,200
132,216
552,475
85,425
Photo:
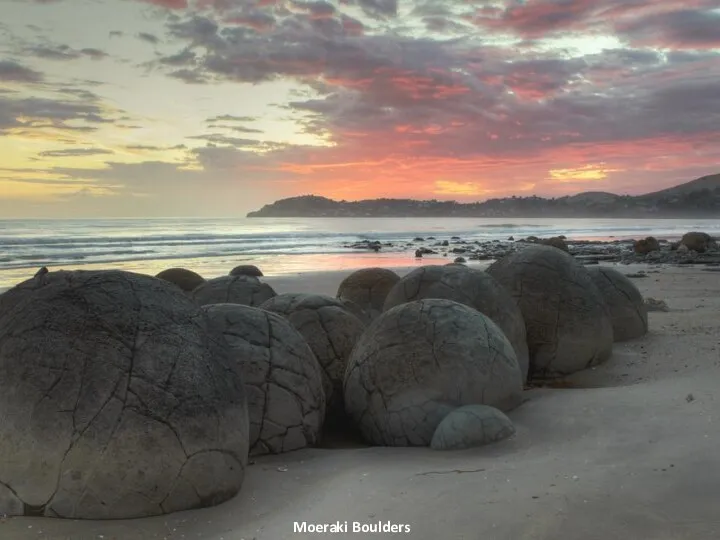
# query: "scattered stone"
646,245
697,241
656,305
246,270
568,324
245,290
187,280
419,361
368,288
459,260
627,308
637,275
474,288
118,400
331,331
282,377
556,242
472,426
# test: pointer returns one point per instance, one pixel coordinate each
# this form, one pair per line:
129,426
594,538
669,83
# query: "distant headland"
699,198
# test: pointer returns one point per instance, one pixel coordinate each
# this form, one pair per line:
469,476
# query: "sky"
141,108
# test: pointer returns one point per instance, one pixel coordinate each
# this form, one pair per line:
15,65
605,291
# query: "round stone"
568,324
117,400
330,329
627,306
419,361
283,380
246,270
368,288
245,290
186,279
472,426
471,287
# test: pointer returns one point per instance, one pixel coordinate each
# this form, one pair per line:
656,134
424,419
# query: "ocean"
278,246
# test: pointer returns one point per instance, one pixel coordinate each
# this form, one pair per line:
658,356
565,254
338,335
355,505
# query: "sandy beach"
626,450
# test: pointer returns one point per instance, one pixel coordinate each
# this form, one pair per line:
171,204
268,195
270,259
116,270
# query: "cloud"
13,72
168,4
24,115
683,29
64,52
148,38
75,152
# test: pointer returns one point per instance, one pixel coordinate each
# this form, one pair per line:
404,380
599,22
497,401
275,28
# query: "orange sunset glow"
217,107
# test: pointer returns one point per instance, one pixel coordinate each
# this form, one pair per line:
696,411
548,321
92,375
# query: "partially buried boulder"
186,279
627,308
471,426
283,380
646,245
368,288
421,360
117,400
556,242
245,290
331,330
246,270
697,241
473,288
568,323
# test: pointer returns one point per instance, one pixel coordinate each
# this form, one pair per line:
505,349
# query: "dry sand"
633,454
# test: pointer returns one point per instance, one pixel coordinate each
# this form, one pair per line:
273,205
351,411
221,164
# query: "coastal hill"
698,198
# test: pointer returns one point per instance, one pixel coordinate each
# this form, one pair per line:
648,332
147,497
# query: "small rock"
471,426
653,304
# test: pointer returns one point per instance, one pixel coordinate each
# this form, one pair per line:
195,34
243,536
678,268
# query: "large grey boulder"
471,287
117,400
245,290
419,361
471,426
331,330
283,379
186,279
568,323
628,311
368,288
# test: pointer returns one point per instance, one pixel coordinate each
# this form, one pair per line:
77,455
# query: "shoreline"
475,253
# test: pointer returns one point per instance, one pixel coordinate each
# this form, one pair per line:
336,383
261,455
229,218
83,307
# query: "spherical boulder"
646,245
568,324
627,307
186,279
246,270
330,330
473,288
118,399
283,380
245,290
368,288
697,241
419,361
472,426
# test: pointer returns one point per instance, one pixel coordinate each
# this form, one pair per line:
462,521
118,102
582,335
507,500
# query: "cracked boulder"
283,380
627,308
472,426
331,330
471,287
242,289
567,321
368,288
117,400
421,360
186,279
